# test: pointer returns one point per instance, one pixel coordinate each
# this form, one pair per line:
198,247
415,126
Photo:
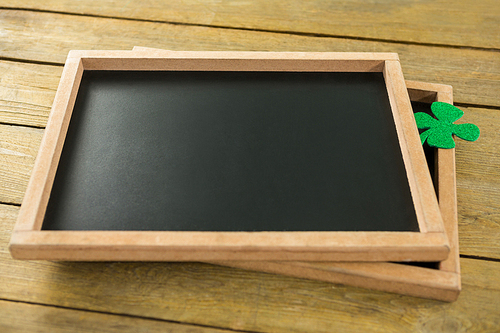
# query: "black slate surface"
231,151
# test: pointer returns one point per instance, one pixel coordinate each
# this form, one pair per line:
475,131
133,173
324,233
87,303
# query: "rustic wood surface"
450,42
443,22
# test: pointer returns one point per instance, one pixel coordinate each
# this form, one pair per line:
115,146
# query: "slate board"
231,151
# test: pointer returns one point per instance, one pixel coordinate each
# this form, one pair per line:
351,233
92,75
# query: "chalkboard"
230,156
231,151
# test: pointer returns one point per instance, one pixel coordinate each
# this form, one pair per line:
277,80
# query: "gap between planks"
284,32
473,257
22,125
33,62
10,204
482,106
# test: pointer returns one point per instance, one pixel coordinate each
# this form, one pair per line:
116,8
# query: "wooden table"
450,42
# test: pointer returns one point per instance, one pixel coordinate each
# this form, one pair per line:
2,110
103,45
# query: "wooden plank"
27,92
236,299
474,74
461,23
23,317
478,186
8,215
18,149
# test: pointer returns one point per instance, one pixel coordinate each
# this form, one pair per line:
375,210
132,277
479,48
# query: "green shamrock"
440,131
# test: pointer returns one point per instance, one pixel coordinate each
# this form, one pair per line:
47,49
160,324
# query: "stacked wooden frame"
303,254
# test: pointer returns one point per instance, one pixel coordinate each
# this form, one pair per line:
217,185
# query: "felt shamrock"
440,131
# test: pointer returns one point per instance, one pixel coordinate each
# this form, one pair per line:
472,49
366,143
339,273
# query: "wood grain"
22,317
478,186
474,74
18,149
27,92
462,23
225,297
235,299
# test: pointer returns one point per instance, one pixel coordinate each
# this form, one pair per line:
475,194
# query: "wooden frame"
442,283
30,242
